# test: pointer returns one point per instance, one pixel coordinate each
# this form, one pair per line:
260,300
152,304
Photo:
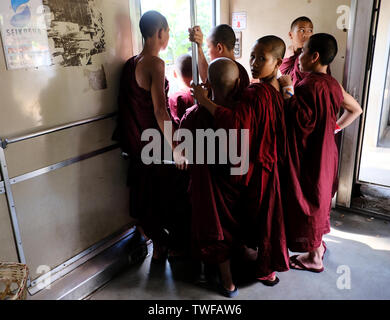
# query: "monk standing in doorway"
311,117
158,198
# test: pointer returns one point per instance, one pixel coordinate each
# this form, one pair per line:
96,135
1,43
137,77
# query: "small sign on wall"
238,45
239,20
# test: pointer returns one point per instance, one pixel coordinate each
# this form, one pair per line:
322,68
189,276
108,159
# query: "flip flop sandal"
269,283
227,293
294,260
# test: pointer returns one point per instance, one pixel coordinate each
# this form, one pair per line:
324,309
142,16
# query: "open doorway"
177,13
372,183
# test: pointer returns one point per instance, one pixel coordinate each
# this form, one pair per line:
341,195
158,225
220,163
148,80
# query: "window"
177,13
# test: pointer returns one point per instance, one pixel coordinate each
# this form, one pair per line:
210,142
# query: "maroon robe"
179,102
214,196
313,160
261,214
158,197
290,66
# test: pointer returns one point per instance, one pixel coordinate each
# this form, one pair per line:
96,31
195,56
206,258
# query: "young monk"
220,43
262,114
143,105
301,31
180,101
313,156
214,194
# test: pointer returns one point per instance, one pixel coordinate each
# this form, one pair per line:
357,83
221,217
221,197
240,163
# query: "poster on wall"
75,31
239,20
24,34
39,33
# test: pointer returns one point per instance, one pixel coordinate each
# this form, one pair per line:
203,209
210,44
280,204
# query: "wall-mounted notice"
238,45
239,20
51,32
75,30
24,34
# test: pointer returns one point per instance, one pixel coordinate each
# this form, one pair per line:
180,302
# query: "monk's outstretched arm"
352,110
196,36
158,96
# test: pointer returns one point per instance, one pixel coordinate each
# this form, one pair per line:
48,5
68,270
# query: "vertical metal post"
214,13
12,209
195,73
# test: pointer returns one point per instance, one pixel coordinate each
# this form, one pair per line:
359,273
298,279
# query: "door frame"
357,74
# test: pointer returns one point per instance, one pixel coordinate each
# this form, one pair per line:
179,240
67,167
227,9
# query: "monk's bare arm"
201,95
352,110
157,88
196,36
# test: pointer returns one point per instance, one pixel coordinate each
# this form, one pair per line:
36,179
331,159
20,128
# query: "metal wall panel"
41,98
66,211
7,244
33,154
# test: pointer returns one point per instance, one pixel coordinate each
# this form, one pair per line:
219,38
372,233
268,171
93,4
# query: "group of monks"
283,201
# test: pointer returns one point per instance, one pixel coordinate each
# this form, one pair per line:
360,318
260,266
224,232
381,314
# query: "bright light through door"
177,13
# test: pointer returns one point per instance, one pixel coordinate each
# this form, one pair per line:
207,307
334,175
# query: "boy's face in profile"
301,32
213,50
164,37
306,59
262,62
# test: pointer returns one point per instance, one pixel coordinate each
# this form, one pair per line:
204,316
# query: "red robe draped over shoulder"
313,160
158,197
179,102
261,215
290,66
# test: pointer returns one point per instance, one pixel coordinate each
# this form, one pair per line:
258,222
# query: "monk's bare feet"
310,260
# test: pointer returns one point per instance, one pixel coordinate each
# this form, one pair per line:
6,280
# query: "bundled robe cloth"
313,160
229,211
158,197
179,102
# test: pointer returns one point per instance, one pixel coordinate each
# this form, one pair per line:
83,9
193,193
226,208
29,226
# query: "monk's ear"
279,63
290,35
160,33
220,48
316,57
175,74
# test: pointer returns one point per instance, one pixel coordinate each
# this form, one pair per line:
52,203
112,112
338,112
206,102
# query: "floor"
357,266
373,198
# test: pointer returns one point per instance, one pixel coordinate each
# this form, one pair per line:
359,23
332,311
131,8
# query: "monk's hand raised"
287,86
200,92
285,81
181,162
196,35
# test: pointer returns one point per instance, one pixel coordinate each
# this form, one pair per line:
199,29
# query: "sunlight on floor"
375,243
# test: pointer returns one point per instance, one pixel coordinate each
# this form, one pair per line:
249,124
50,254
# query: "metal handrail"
7,141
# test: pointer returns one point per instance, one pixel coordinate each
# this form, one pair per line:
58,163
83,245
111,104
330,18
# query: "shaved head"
151,22
276,45
223,74
223,34
298,20
184,66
